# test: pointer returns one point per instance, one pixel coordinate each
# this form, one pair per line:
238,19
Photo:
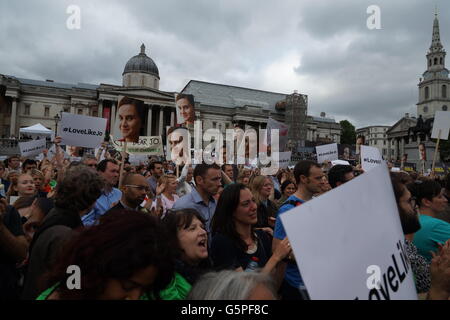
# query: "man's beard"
410,221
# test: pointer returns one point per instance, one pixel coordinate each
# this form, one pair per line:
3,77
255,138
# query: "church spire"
436,44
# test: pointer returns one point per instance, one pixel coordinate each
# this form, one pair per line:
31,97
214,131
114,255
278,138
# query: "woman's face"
289,190
245,212
171,186
245,181
186,110
129,123
193,242
25,186
132,288
73,151
266,188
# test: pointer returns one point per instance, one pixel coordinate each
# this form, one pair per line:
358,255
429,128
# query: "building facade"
376,136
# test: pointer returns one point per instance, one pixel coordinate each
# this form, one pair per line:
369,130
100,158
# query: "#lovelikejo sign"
365,256
82,131
370,158
327,152
32,148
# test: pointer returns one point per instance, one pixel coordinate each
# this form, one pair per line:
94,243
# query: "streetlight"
57,119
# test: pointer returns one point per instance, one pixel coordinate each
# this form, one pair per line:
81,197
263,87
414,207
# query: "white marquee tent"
37,129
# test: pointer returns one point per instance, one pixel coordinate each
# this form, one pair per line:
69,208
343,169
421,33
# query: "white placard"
32,148
442,122
341,162
370,157
151,145
82,131
284,158
361,220
327,152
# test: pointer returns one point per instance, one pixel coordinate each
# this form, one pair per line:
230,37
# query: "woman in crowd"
288,188
242,178
230,285
23,186
130,260
189,240
236,243
167,190
262,188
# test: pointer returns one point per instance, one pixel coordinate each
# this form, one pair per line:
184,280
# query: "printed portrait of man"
178,145
185,106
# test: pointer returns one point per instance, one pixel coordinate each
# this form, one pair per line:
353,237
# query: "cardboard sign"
151,145
82,131
370,158
441,122
365,258
283,131
327,152
32,148
284,158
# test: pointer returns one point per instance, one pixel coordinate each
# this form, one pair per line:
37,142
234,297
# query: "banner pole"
436,151
124,153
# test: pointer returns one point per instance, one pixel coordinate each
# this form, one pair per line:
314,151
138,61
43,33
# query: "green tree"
348,134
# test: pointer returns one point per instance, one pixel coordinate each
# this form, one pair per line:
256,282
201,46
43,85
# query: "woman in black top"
235,242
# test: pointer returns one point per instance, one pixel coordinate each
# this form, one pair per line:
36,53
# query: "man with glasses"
134,190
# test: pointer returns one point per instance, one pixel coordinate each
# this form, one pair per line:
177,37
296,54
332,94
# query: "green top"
178,289
432,232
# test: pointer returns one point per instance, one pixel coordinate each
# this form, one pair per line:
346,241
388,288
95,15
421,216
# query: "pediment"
402,125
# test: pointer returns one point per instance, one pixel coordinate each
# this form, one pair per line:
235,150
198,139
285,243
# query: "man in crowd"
28,165
156,171
134,190
108,169
340,174
89,161
309,178
186,182
207,179
14,163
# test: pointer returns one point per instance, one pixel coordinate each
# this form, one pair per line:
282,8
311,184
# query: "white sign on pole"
366,257
32,148
151,145
441,122
82,131
327,152
284,158
370,157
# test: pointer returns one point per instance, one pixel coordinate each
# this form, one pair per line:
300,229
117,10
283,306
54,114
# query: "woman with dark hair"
131,118
189,239
75,196
131,260
431,201
288,188
236,244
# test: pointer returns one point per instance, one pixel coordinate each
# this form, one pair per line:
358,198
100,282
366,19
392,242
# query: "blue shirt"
432,231
105,202
194,200
292,274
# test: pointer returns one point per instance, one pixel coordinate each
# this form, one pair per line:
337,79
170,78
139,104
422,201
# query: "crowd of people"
208,232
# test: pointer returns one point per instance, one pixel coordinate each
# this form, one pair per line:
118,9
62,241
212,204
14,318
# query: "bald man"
134,189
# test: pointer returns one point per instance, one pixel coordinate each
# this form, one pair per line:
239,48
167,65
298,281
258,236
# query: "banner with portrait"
130,121
185,106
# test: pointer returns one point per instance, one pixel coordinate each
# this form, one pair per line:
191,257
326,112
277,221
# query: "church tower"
434,87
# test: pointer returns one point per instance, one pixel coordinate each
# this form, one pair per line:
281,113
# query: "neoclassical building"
25,102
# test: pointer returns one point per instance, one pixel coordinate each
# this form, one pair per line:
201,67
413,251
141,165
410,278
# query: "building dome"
141,64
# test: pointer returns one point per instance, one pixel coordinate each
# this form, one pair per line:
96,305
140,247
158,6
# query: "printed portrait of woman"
131,119
185,109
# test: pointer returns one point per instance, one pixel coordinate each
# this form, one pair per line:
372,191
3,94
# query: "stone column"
402,148
172,118
389,149
161,115
149,121
113,115
12,127
72,108
100,108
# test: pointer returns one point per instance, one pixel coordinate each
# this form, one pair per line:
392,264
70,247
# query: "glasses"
140,188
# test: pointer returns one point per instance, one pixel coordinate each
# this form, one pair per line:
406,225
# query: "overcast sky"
321,48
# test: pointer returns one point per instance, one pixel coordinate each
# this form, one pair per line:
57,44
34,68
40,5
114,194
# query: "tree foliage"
348,134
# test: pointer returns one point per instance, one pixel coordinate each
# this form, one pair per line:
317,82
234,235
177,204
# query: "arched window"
444,108
429,63
427,93
444,91
425,109
435,61
440,61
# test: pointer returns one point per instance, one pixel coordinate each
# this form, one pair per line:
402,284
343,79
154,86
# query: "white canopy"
37,129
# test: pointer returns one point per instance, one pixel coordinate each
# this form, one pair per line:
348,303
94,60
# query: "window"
429,63
66,109
435,61
214,124
384,152
80,111
444,91
47,111
440,61
425,109
94,113
444,108
27,110
384,142
427,92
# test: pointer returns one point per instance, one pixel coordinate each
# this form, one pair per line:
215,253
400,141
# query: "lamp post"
57,119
